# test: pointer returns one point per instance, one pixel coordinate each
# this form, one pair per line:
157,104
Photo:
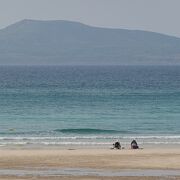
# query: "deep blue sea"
81,105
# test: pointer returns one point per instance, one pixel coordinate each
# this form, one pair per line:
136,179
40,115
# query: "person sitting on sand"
117,145
134,145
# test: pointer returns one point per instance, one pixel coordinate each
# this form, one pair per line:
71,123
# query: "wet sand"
106,160
87,178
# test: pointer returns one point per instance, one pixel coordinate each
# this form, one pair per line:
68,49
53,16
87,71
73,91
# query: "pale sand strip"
92,158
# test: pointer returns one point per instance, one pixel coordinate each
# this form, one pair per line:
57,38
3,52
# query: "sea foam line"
88,137
46,143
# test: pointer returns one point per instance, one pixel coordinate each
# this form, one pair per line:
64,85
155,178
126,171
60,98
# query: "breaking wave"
89,131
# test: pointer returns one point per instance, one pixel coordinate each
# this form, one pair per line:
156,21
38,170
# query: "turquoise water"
89,105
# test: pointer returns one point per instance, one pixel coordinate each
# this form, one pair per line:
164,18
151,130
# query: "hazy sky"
153,15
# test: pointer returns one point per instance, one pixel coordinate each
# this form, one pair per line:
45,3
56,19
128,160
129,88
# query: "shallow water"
87,172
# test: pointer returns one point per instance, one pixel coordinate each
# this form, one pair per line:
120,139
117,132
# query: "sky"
152,15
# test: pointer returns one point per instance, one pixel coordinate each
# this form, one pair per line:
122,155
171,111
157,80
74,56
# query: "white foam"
89,140
89,137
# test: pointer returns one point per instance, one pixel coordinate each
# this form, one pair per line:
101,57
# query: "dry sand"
164,159
92,158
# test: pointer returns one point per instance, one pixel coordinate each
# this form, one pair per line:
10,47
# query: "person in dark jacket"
117,145
134,145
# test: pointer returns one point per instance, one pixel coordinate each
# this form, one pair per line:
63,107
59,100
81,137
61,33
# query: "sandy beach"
105,160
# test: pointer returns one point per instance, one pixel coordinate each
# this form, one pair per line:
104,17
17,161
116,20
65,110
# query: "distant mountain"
31,42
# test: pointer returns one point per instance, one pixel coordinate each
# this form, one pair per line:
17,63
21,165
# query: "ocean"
89,106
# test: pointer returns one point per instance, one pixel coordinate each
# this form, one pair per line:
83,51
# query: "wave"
67,131
88,131
47,143
90,137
